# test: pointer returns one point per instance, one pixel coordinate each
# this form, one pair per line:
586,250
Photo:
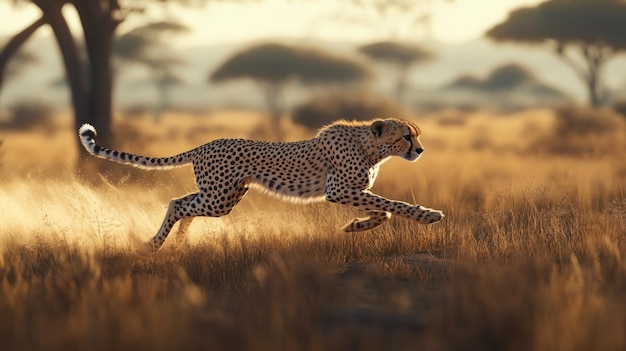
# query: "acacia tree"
585,34
273,66
145,45
90,76
400,56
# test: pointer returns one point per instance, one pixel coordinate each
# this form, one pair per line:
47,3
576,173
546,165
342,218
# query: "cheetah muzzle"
339,165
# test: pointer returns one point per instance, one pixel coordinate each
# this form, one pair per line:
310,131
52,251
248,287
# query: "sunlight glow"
222,23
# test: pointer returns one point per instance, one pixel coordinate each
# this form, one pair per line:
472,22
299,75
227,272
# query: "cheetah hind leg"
183,230
174,213
374,219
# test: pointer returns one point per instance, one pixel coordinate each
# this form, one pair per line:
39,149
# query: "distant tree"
146,46
401,57
325,108
505,78
89,76
585,34
272,66
509,86
164,78
390,18
146,42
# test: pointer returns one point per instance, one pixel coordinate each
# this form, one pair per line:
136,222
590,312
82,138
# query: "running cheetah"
340,165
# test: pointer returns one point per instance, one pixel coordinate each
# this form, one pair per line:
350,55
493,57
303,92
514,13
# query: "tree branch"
14,44
580,71
74,67
598,56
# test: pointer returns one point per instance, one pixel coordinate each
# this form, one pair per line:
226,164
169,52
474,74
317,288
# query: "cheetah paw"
428,215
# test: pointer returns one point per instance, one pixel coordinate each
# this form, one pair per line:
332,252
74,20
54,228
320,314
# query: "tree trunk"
401,82
99,28
163,98
594,85
594,96
590,70
273,97
71,61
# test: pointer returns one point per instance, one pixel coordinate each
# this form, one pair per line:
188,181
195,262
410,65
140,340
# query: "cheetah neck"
373,155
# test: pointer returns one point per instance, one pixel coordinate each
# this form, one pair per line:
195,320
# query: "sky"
456,22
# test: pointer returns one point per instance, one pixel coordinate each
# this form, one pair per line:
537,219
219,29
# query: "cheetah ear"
377,128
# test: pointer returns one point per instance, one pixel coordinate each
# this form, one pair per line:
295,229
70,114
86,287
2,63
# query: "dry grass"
530,255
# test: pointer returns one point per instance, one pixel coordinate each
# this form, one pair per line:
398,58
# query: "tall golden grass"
530,255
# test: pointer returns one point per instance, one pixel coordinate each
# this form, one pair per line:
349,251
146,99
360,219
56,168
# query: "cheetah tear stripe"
339,165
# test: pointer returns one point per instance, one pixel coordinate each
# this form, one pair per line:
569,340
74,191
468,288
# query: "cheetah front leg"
366,201
372,221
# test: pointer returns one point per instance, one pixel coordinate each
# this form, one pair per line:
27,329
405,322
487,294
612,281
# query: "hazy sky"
222,23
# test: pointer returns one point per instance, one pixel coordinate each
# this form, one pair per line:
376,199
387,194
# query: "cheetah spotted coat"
340,165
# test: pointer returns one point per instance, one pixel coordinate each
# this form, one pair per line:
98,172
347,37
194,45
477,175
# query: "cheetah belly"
290,178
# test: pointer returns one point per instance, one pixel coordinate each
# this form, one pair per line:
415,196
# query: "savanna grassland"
530,256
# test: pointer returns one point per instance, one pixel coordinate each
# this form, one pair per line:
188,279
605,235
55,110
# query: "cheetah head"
395,137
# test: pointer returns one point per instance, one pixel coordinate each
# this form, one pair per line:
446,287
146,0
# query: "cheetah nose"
419,150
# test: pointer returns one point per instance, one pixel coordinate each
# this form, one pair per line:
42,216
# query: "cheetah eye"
407,137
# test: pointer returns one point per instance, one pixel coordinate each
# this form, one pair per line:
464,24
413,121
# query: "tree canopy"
274,62
507,87
325,108
401,56
584,33
396,52
567,22
138,44
506,79
274,65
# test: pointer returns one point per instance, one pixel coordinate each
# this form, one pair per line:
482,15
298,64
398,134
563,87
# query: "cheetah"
339,165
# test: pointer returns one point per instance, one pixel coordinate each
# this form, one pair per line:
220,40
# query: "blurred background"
304,62
522,106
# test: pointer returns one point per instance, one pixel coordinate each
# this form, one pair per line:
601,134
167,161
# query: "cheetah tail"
87,135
